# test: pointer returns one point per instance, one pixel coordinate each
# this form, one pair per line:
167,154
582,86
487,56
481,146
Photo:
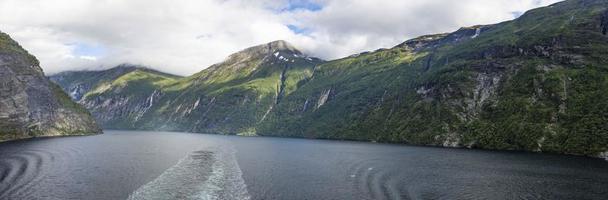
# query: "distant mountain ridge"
536,83
76,83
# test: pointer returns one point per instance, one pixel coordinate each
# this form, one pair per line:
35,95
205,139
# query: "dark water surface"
161,165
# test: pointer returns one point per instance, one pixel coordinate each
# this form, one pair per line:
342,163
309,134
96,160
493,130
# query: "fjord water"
162,165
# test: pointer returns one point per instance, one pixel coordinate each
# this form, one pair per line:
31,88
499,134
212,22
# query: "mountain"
233,96
115,95
230,97
77,83
32,106
536,83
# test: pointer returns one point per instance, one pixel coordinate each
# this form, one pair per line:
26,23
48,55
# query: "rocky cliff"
32,106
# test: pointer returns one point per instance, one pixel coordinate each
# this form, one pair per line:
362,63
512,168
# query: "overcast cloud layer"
186,36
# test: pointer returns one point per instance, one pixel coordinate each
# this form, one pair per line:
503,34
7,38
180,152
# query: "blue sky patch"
83,49
302,5
297,30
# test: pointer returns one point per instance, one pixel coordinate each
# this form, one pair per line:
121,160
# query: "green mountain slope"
32,106
231,97
538,83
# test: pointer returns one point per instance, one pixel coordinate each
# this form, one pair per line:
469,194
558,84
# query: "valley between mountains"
536,83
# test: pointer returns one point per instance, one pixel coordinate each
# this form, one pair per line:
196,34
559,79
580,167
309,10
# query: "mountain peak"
265,50
270,48
129,65
282,45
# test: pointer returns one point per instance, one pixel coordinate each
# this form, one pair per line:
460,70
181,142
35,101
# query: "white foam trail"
207,174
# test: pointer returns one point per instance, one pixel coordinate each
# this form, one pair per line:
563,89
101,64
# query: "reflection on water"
160,165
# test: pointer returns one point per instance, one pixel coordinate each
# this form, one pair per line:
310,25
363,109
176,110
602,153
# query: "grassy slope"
232,97
135,83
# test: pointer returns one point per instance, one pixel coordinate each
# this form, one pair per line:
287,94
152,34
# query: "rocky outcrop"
32,106
323,98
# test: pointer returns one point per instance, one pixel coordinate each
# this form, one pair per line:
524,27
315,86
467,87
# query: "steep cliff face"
32,106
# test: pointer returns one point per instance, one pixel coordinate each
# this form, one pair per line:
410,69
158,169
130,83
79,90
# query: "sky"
185,36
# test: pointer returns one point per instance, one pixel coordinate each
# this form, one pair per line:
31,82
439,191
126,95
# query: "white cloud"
91,58
186,36
344,27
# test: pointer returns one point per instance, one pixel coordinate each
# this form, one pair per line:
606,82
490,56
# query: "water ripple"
21,171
